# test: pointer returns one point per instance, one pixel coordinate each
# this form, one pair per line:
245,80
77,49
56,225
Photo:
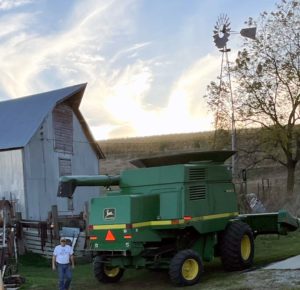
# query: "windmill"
221,35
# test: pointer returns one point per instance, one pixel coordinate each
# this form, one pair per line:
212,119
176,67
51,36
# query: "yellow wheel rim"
245,247
190,269
111,272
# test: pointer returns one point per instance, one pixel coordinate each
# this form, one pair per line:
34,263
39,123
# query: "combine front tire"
105,273
185,268
237,247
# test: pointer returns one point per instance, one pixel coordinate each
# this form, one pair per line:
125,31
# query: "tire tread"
231,245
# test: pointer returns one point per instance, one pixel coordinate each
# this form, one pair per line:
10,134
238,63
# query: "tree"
267,84
218,100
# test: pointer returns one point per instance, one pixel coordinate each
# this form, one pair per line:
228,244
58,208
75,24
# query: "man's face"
63,242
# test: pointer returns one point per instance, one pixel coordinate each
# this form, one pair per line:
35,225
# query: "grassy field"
268,249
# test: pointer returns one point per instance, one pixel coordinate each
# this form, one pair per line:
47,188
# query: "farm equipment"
172,212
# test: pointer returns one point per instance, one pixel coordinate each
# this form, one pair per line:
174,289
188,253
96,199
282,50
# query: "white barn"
42,137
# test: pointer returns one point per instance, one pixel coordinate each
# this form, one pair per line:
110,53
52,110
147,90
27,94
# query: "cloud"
191,86
71,55
121,95
11,25
186,111
121,83
10,4
132,51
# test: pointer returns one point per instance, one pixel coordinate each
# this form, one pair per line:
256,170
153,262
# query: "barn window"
65,168
63,128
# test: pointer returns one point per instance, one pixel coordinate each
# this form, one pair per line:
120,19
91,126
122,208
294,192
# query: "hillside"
141,146
119,152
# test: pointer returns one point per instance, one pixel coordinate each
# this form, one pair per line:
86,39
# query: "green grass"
273,248
39,275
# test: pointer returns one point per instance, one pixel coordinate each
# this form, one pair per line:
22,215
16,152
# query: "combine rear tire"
237,247
185,268
105,273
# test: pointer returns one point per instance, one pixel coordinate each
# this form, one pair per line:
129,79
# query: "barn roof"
20,118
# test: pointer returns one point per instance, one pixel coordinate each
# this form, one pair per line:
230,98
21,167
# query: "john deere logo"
109,213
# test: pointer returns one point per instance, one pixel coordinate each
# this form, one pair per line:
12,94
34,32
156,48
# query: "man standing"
62,256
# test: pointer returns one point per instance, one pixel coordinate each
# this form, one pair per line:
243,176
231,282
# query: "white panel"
37,172
84,162
12,178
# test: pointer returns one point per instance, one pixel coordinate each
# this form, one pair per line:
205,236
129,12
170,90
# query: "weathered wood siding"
41,163
11,177
63,128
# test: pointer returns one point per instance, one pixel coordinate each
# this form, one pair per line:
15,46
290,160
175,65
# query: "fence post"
1,282
55,221
86,214
19,234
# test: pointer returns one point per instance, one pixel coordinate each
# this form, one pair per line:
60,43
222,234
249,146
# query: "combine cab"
172,212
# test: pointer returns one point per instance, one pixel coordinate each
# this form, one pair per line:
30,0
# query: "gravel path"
288,264
271,279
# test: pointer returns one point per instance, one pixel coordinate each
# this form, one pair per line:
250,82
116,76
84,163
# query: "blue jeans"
64,276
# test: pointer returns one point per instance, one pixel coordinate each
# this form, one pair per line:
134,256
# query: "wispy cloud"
120,81
131,51
185,111
10,4
73,54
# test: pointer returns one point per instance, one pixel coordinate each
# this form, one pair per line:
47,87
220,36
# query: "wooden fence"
34,242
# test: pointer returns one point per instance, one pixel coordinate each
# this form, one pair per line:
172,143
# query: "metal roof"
20,118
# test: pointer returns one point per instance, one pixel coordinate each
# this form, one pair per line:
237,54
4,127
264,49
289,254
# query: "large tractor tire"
105,273
237,247
185,268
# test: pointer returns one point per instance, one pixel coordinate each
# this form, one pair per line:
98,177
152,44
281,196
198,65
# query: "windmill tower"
221,35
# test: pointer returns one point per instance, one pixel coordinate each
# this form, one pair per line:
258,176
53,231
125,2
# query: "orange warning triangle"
110,236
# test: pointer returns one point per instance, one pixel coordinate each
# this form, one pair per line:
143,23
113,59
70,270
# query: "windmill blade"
226,35
227,26
220,42
221,31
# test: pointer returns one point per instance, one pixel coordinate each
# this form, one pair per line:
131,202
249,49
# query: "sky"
147,62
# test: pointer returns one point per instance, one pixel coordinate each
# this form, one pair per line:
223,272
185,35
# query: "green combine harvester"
172,212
